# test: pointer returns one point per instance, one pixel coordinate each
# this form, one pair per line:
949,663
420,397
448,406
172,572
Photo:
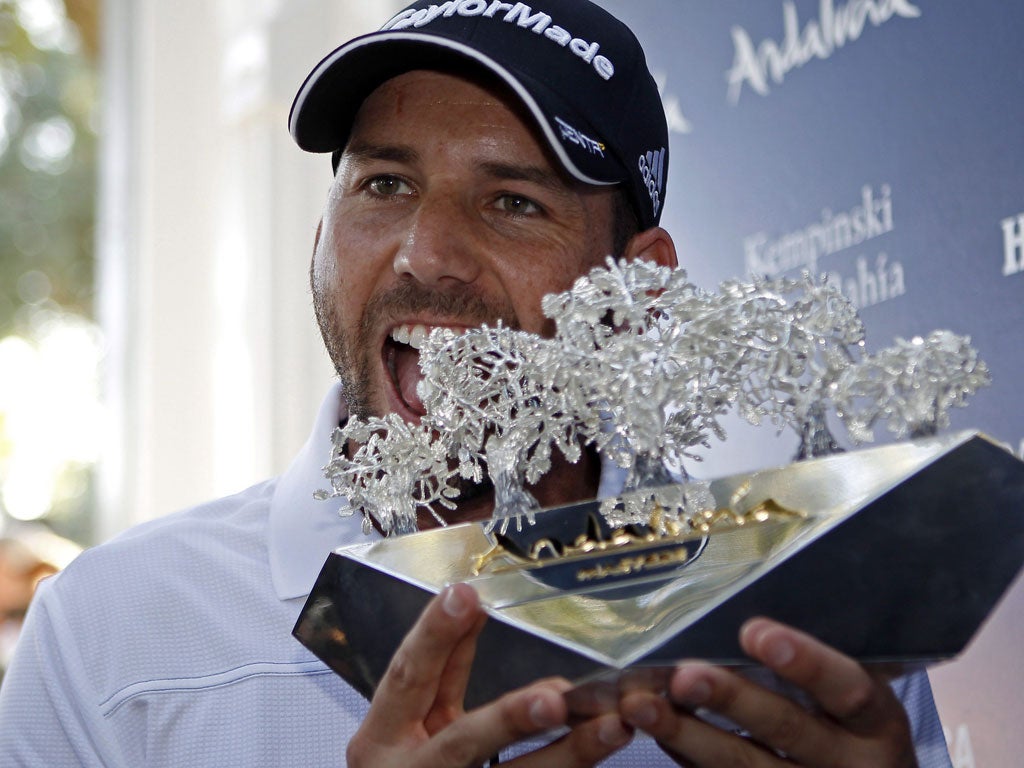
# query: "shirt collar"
303,530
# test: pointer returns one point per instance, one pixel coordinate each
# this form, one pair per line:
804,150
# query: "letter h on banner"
1013,244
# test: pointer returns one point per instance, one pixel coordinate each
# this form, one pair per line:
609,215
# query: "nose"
436,249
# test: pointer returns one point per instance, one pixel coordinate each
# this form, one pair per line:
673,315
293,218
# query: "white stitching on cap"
580,139
521,15
504,74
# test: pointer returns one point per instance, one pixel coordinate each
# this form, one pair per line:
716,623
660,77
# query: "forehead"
458,124
454,106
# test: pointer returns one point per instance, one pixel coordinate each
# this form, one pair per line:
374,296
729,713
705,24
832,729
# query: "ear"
319,230
654,244
316,248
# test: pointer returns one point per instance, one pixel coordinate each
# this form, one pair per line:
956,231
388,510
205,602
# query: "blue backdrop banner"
878,142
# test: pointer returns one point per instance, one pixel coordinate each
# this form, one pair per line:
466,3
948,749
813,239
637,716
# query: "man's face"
445,211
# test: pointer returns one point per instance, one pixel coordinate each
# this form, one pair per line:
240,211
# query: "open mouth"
401,355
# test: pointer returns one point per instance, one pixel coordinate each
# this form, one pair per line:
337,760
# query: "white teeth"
415,335
419,334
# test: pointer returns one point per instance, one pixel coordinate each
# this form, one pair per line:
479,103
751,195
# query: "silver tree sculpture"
620,297
499,395
395,469
627,325
911,386
642,366
808,333
754,324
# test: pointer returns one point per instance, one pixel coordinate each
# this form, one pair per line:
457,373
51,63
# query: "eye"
518,205
388,186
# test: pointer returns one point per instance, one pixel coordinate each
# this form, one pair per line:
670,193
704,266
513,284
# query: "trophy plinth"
892,554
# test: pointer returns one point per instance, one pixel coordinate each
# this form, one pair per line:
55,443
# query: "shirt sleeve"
915,692
49,715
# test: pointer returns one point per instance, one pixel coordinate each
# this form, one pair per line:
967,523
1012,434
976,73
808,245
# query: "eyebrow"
544,177
534,174
365,152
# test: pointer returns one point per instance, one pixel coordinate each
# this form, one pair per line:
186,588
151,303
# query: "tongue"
408,375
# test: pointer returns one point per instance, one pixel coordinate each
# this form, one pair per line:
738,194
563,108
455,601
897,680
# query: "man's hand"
859,721
417,716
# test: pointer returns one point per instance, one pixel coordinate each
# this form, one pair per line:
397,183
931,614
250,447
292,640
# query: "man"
486,154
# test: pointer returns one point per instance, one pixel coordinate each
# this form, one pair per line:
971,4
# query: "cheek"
528,286
339,272
323,277
323,271
356,251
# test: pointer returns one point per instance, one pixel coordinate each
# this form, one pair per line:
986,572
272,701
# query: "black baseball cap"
580,72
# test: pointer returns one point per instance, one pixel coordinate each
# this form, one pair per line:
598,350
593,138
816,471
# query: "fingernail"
696,695
453,604
779,652
541,714
611,733
644,716
752,630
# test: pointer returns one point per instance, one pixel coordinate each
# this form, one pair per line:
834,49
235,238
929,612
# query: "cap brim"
326,105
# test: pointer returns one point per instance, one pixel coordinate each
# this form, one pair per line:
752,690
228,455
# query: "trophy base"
891,555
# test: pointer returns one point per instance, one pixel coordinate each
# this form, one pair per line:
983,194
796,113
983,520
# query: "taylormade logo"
518,14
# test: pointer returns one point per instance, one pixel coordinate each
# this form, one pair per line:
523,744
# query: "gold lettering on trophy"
717,520
635,564
634,542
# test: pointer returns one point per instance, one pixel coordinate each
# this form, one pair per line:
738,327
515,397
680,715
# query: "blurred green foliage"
48,182
48,144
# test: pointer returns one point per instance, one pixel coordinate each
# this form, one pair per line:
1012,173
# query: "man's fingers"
418,705
410,686
768,718
451,691
861,702
689,740
860,720
487,730
527,712
585,745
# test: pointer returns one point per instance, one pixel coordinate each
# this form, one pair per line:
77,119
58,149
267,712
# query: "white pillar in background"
207,213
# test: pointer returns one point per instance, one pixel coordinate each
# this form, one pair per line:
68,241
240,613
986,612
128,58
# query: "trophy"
892,554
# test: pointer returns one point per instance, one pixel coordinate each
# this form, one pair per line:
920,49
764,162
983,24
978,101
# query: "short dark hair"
625,222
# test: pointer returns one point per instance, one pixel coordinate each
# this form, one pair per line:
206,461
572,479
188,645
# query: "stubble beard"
355,358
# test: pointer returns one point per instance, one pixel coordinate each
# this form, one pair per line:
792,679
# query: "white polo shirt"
171,644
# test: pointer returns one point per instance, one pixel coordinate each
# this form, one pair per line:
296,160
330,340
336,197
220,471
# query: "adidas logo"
652,170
